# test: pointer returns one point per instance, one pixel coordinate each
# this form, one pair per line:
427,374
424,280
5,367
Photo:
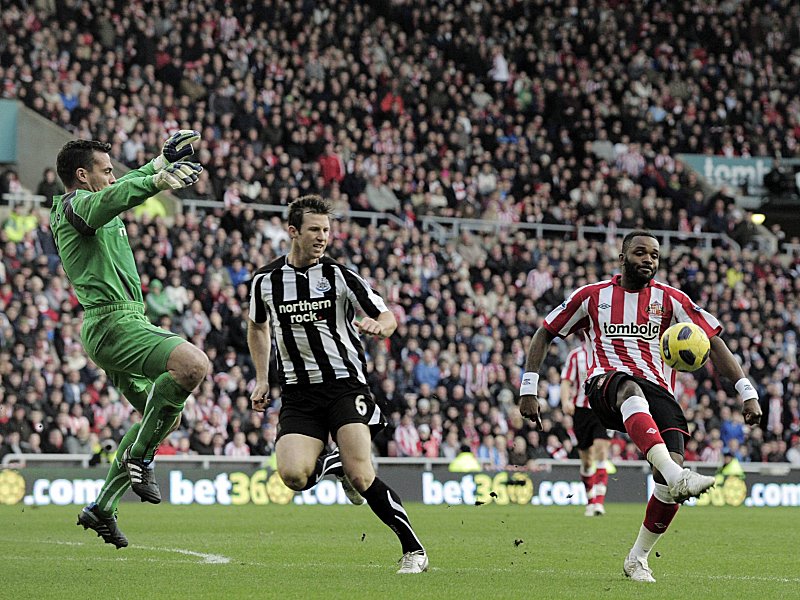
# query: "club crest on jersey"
656,308
323,285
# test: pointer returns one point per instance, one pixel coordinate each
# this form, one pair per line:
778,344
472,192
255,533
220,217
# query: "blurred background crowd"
552,112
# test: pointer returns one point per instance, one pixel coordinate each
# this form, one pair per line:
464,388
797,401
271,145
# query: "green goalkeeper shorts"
132,351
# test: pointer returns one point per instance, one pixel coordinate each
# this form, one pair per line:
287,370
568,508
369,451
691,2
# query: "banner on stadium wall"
8,131
736,172
553,486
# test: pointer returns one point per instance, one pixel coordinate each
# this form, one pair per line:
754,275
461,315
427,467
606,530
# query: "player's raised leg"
330,463
299,460
186,366
643,431
355,444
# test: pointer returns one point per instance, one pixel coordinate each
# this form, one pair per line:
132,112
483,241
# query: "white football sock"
659,457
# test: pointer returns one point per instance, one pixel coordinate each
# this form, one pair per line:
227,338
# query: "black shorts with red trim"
588,428
319,409
602,394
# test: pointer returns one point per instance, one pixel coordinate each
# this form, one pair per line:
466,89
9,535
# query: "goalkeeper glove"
177,175
177,146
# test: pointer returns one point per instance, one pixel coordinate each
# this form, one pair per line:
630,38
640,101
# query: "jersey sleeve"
143,171
569,316
686,311
258,308
361,294
89,212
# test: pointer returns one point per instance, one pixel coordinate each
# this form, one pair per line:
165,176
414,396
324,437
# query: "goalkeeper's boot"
690,485
106,527
351,492
143,479
413,562
637,569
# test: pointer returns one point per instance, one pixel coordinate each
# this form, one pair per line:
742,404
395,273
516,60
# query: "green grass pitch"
484,552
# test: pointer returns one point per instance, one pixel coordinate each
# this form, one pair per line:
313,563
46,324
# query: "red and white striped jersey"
624,326
575,371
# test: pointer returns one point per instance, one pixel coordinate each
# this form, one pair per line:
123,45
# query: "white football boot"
690,485
414,562
637,569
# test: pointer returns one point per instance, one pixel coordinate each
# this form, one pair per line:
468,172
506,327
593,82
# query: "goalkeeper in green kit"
153,368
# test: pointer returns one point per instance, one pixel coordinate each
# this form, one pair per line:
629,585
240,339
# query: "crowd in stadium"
517,112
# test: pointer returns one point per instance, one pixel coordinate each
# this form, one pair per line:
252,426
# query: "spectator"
48,187
157,303
407,438
238,445
426,370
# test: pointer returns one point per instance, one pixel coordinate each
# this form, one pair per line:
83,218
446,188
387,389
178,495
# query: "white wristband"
530,384
746,389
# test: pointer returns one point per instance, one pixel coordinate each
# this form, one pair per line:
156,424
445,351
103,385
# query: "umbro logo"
652,430
603,306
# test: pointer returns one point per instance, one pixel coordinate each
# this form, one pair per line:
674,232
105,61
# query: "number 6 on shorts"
361,405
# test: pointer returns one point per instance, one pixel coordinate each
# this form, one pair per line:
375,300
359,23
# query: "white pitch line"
210,559
114,559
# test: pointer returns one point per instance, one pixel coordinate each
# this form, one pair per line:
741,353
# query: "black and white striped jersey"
312,311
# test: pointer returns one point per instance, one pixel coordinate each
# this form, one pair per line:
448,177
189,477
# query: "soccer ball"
685,347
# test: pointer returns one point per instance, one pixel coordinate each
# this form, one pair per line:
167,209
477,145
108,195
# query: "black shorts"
588,428
602,394
320,409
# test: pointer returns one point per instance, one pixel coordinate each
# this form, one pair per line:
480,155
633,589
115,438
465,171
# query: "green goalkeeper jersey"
92,240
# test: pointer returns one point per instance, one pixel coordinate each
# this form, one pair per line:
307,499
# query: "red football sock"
643,431
600,485
588,483
659,515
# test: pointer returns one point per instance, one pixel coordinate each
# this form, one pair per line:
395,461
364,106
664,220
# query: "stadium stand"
511,113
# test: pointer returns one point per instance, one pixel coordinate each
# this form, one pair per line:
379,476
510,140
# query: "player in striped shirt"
628,386
593,438
309,302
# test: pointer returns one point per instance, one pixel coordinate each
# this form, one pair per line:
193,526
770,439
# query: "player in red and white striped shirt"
628,386
593,438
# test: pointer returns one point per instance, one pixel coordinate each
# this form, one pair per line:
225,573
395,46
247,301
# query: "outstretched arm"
529,390
89,212
259,342
728,367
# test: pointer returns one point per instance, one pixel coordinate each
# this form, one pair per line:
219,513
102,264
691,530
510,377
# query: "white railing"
12,199
374,218
447,228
